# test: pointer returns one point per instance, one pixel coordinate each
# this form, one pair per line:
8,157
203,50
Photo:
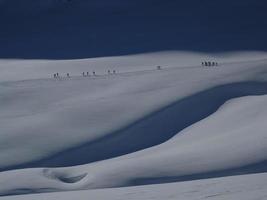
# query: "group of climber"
209,64
85,74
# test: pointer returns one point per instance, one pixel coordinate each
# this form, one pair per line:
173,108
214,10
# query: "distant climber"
209,63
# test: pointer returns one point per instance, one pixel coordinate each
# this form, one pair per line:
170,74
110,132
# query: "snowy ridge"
149,127
179,152
153,129
133,99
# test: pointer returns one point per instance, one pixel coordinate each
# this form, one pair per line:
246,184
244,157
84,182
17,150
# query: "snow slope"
13,69
245,187
82,110
232,140
183,122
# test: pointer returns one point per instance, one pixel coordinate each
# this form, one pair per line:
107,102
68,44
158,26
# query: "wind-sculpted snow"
153,129
143,126
52,123
232,138
245,187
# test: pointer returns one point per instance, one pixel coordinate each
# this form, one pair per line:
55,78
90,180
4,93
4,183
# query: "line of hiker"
84,74
209,64
56,75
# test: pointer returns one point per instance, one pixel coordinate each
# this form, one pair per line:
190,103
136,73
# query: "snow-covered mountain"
113,99
142,125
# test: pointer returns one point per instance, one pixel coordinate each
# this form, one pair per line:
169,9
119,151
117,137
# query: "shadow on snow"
153,129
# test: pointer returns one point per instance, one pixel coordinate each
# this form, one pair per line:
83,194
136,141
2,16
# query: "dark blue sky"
61,29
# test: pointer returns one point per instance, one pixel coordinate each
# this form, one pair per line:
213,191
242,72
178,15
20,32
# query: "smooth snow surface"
245,187
136,127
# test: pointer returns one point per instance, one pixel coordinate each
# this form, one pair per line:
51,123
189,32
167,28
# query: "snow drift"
233,138
244,187
142,125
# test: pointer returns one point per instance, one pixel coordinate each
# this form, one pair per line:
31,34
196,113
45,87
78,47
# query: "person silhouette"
209,63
